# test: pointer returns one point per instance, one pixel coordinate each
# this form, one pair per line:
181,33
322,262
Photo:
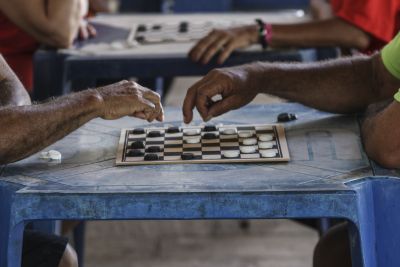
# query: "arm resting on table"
344,85
28,129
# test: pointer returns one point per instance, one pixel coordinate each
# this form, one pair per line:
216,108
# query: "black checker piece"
137,145
135,153
153,149
187,156
210,128
137,131
151,157
210,136
173,130
154,134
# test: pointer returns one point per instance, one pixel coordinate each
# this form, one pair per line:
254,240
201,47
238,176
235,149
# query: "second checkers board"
202,144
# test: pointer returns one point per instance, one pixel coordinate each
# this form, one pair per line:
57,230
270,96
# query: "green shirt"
391,56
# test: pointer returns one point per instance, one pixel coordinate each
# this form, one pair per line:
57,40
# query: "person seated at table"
366,25
347,85
25,24
27,128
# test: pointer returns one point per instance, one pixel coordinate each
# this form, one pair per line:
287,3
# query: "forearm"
329,32
51,22
340,86
28,129
381,133
12,92
64,18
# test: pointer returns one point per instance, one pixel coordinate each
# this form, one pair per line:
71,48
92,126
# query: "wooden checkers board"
202,144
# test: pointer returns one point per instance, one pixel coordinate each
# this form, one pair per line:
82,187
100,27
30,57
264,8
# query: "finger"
92,30
213,49
160,116
228,49
83,33
198,50
139,115
190,100
204,97
156,100
223,106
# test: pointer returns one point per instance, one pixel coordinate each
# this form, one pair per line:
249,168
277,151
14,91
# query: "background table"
325,178
56,72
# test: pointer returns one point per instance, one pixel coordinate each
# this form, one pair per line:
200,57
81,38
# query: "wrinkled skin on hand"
223,42
128,98
235,85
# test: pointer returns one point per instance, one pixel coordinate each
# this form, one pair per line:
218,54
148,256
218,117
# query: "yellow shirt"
391,56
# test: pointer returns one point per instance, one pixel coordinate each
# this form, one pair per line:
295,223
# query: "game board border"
281,142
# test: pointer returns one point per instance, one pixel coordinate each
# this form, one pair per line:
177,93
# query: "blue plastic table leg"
378,235
14,247
79,242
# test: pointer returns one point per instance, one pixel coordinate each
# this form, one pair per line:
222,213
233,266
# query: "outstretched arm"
342,85
12,92
28,129
311,34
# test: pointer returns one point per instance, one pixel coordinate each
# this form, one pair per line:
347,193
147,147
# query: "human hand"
236,86
128,98
224,42
86,30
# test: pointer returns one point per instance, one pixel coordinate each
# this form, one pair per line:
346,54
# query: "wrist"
94,101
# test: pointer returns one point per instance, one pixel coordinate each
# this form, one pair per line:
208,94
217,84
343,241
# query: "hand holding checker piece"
202,144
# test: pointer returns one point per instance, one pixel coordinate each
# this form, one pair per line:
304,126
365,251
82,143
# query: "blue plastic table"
329,176
58,72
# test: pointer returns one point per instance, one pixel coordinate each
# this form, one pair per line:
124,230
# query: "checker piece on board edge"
173,129
135,153
192,131
154,134
138,131
187,156
151,157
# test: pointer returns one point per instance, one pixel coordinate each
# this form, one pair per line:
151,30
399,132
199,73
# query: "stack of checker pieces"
202,144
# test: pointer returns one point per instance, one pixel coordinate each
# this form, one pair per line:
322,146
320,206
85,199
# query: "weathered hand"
86,30
234,85
128,98
224,42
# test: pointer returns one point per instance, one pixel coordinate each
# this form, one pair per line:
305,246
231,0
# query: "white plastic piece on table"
231,153
266,145
245,134
229,131
193,140
265,137
249,141
248,149
268,153
194,131
52,155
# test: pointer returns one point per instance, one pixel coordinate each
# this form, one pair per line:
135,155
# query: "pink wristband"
268,32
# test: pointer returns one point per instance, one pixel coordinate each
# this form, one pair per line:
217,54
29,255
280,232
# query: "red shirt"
17,47
379,18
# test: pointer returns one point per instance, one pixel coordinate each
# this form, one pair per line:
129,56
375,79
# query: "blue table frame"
328,176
